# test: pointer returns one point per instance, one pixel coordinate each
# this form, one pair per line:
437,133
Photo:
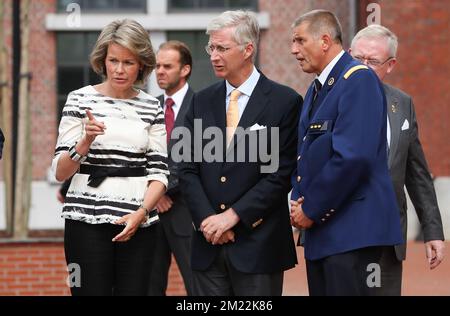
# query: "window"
211,5
202,72
105,6
74,69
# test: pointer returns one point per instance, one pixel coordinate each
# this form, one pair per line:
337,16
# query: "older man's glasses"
210,49
372,62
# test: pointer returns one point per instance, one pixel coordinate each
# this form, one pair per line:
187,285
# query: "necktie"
169,117
232,115
317,87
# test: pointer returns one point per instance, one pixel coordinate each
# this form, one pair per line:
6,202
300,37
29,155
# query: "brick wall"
35,269
5,23
42,66
176,285
422,69
275,45
43,88
32,269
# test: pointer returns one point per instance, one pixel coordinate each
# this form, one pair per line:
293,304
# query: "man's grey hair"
245,24
321,22
378,31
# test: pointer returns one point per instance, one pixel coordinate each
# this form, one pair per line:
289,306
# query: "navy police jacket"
342,168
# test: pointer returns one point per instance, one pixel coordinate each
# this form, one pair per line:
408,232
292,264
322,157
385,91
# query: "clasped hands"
298,218
217,228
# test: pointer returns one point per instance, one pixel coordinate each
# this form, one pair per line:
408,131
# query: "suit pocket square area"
405,125
257,127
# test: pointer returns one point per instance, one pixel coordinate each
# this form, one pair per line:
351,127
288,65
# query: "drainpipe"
15,92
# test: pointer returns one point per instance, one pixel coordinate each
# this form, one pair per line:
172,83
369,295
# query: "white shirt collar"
248,86
178,96
326,72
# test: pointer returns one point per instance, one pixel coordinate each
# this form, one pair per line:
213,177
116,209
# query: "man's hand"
225,238
164,204
435,252
214,226
298,217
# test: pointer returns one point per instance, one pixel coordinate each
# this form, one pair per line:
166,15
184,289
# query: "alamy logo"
74,277
74,17
375,13
374,277
207,145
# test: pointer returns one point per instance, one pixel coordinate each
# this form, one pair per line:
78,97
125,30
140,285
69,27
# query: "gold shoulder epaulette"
353,69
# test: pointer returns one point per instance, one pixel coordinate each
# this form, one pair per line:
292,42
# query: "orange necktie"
232,115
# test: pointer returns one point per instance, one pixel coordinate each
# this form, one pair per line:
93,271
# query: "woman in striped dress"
112,139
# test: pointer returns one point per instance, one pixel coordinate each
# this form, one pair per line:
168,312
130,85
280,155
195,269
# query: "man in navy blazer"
342,194
243,239
173,69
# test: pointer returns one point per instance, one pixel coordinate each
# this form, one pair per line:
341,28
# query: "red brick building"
30,267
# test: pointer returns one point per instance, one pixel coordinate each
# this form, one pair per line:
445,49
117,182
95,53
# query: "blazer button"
222,206
323,219
299,178
255,224
223,179
304,138
299,157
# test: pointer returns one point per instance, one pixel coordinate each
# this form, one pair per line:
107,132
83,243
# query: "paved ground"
418,279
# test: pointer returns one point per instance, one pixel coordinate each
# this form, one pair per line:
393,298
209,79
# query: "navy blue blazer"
263,237
342,165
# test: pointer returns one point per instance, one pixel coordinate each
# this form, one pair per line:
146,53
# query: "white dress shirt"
246,90
326,72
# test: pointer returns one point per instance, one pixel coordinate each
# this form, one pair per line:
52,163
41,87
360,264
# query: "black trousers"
105,267
222,279
391,273
167,242
343,274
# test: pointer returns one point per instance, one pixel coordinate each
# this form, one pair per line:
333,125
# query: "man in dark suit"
243,241
2,140
342,195
173,68
376,46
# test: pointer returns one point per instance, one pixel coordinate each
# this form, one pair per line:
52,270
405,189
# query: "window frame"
61,97
114,9
198,8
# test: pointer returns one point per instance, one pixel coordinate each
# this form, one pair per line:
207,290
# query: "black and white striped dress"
135,136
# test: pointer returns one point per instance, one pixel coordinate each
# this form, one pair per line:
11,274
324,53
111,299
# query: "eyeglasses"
372,62
219,49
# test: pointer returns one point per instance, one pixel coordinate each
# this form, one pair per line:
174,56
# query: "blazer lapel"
394,122
181,114
304,116
161,100
183,108
333,78
218,109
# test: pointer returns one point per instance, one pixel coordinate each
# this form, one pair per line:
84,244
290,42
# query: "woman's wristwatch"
147,212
